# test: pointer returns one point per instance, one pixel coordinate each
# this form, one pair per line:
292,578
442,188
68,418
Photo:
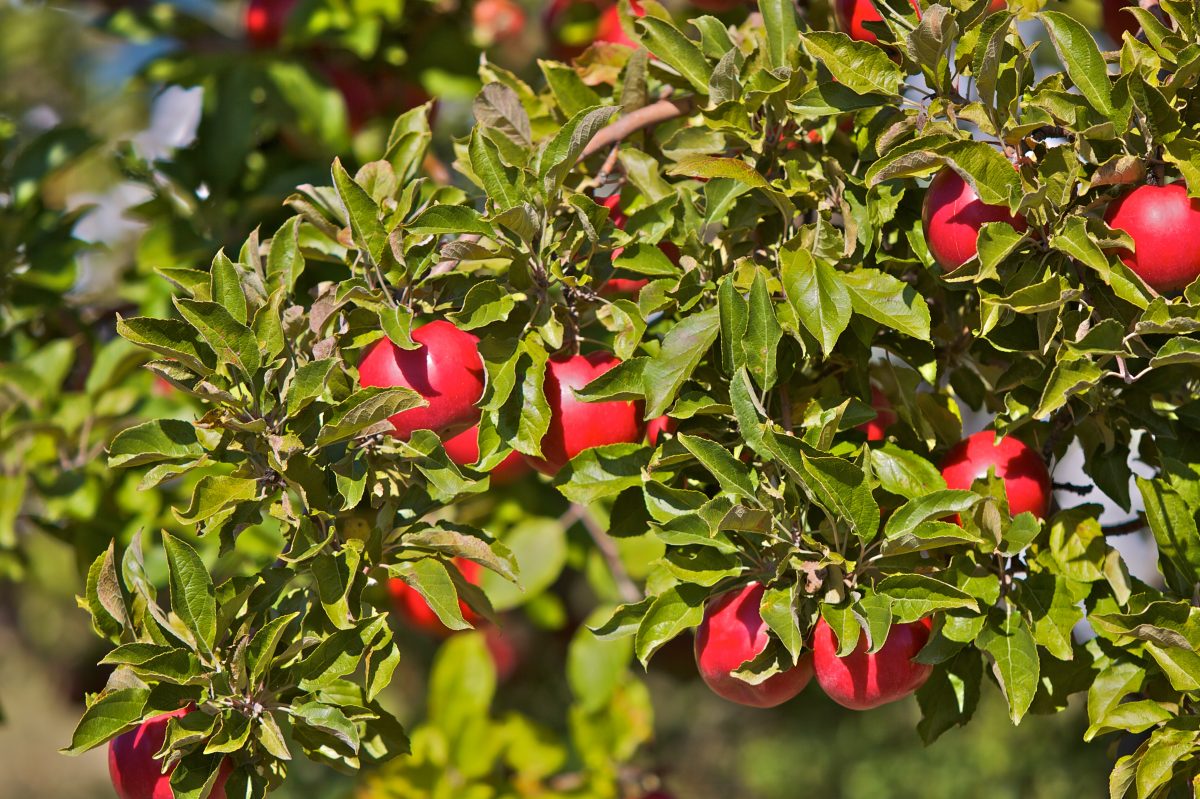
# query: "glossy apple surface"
575,425
952,215
659,426
885,416
463,449
853,14
1026,479
265,21
445,369
861,681
134,771
1165,226
416,611
733,632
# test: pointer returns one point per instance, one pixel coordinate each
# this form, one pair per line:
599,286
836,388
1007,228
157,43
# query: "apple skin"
658,426
851,14
446,369
575,425
463,449
952,215
885,417
416,611
265,21
1117,22
733,632
497,21
134,771
1163,223
1026,478
861,681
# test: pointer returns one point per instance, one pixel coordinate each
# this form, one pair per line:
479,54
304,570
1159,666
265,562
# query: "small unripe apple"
1117,22
852,14
1026,478
463,449
1164,224
732,633
134,771
885,416
265,21
659,426
445,369
576,425
952,215
416,611
861,681
497,21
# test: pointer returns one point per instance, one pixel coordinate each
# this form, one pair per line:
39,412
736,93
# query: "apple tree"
799,257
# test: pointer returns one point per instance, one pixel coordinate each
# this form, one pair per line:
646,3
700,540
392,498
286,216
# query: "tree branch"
1134,525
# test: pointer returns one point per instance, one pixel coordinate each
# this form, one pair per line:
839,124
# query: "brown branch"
645,117
1134,525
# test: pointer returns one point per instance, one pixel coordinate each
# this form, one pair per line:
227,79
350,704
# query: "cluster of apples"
366,96
733,632
1156,217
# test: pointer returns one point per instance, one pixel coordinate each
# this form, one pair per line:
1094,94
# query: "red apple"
952,215
609,28
851,14
658,426
1163,223
885,417
463,449
1026,479
134,771
416,611
733,632
265,21
575,425
446,370
497,20
1117,22
861,681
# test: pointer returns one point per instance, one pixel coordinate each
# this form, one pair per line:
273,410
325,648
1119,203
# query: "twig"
644,117
1134,525
625,586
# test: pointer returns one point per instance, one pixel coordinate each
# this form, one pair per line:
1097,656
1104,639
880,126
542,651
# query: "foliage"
804,279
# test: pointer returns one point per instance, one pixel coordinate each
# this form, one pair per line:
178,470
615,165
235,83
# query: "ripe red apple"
575,425
733,632
446,370
497,21
1163,223
463,449
265,21
885,417
861,681
952,215
416,611
1026,479
658,426
134,771
1117,22
851,14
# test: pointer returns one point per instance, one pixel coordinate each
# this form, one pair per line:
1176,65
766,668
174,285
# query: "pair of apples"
1157,218
733,632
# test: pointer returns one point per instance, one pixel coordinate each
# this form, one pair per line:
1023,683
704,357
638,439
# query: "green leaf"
816,294
596,666
1085,65
915,596
214,493
193,598
486,302
779,23
363,213
430,578
561,152
309,382
729,471
365,409
1009,642
861,66
230,339
837,485
665,41
154,441
1173,523
285,261
172,338
499,182
678,608
904,473
226,287
763,334
887,300
601,472
682,350
110,715
263,646
439,220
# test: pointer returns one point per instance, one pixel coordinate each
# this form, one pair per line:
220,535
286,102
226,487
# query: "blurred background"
141,137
